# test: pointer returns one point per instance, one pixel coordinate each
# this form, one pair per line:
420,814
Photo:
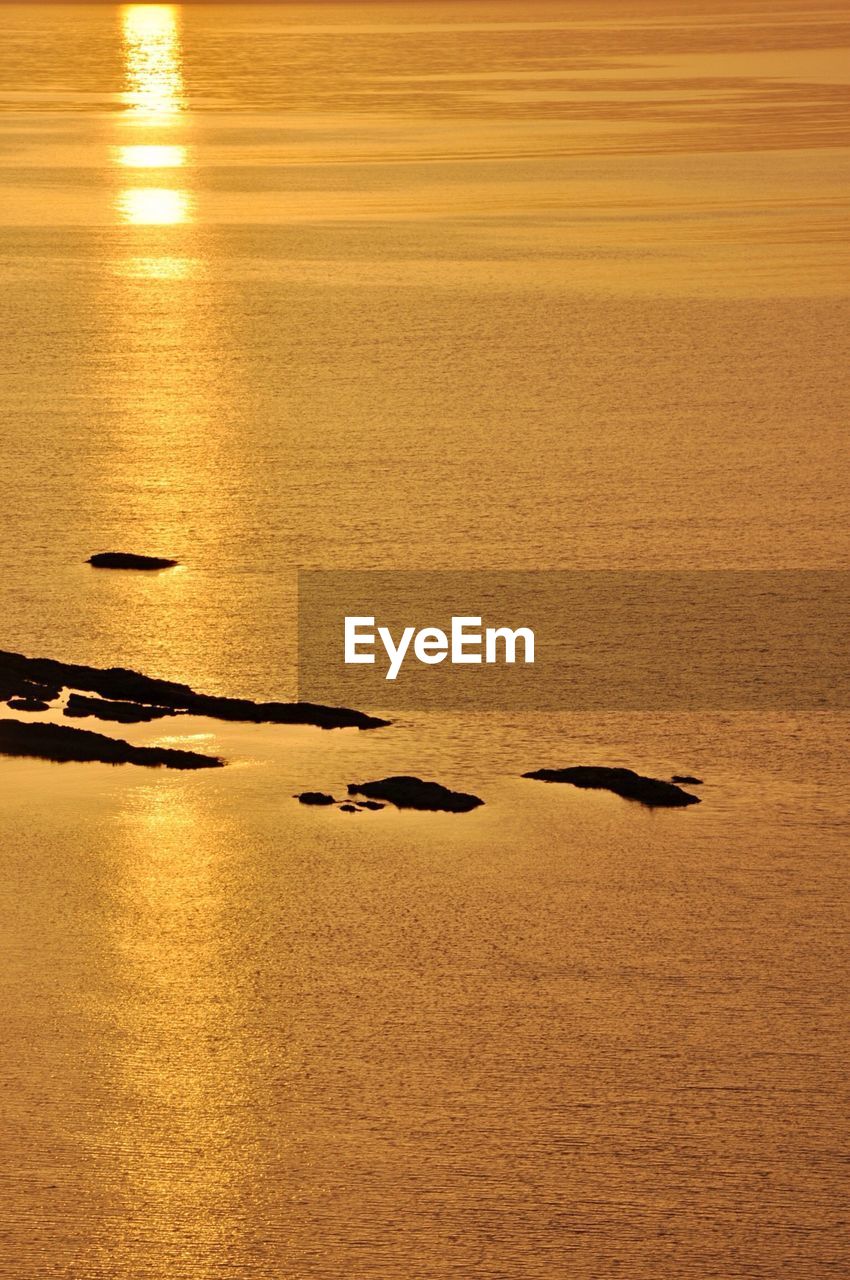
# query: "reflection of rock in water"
623,782
412,793
63,744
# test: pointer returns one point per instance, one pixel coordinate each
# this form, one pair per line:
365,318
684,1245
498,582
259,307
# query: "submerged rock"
80,706
28,704
126,560
315,797
686,779
120,684
62,743
623,782
412,793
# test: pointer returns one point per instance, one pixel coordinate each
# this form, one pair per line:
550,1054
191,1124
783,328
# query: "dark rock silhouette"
28,704
80,706
348,808
126,560
315,797
13,684
63,743
623,782
412,793
686,779
369,804
282,713
19,673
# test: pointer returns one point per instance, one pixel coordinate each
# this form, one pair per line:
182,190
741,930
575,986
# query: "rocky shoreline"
64,745
123,696
652,792
44,679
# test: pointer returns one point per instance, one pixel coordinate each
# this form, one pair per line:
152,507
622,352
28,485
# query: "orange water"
410,286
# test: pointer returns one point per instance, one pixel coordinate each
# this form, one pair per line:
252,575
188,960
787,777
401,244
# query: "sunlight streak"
154,206
151,157
153,63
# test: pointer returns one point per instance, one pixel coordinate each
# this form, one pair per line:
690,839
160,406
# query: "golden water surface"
412,286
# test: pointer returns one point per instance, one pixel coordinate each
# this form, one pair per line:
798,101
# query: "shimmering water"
454,285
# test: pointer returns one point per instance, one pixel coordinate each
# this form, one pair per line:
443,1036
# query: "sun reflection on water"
154,95
158,268
164,402
152,157
153,62
177,1116
154,206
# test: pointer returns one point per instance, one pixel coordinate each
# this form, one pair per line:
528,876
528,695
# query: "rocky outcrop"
14,684
113,682
686,780
315,798
80,706
63,743
623,782
412,793
126,560
120,684
28,704
310,713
